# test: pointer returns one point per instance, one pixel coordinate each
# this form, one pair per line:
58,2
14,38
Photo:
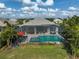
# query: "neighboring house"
12,21
2,25
58,21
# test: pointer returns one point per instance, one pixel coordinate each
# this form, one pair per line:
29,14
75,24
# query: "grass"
35,52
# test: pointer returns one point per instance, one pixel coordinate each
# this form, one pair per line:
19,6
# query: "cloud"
10,9
52,10
26,1
36,11
24,8
8,12
39,2
69,13
49,2
2,5
65,13
30,9
42,9
34,8
73,8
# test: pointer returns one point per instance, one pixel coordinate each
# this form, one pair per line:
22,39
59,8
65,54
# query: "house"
39,26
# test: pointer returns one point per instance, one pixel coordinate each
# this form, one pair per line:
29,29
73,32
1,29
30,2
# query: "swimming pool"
47,38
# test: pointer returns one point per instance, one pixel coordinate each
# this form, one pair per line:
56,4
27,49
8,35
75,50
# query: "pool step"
31,36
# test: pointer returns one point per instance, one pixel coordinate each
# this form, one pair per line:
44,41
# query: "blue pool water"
48,38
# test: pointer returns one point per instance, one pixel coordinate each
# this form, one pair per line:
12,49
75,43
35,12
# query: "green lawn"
35,52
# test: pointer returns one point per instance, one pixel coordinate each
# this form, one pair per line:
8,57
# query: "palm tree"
8,33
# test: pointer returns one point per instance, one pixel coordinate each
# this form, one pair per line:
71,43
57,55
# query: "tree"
21,21
71,34
8,34
50,19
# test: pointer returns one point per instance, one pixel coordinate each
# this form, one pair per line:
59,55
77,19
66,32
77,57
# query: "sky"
38,8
